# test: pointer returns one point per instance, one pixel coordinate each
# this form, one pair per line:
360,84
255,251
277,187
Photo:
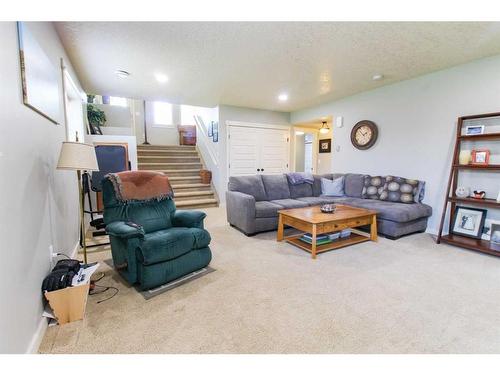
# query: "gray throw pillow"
332,188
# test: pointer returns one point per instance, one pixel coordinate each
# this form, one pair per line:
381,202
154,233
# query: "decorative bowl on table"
328,208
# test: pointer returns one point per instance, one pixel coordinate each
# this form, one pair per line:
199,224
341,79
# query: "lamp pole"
82,218
145,127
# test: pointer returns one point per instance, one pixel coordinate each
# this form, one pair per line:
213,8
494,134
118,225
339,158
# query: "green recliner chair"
152,243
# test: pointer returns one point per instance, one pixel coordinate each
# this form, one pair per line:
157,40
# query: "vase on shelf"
464,157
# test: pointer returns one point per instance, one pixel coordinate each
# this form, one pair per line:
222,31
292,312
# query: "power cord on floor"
106,288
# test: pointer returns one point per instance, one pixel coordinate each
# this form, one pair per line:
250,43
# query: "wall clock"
364,134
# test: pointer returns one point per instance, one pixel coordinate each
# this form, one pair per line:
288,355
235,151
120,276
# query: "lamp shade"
77,156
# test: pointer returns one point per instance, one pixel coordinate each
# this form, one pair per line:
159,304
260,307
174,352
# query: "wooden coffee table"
312,220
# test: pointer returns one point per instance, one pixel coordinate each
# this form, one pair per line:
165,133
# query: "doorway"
305,150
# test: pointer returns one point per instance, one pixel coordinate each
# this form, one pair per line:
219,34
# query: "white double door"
258,150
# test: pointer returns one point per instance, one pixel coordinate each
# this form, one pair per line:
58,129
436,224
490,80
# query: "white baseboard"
38,336
432,231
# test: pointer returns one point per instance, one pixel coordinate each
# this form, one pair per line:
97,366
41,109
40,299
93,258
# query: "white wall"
231,113
160,134
38,204
416,120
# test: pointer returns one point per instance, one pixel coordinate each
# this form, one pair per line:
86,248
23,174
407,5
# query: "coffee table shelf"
354,238
312,220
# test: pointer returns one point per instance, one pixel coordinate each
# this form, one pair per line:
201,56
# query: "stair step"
169,166
146,152
191,187
168,148
190,195
168,159
179,172
197,203
185,179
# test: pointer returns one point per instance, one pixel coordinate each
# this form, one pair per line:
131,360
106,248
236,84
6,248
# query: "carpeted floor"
405,296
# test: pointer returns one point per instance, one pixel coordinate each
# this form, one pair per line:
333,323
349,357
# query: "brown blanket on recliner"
141,185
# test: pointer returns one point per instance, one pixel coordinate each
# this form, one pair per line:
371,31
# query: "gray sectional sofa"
252,203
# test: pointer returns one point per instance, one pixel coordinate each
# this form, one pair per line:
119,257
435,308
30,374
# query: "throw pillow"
332,188
373,188
400,189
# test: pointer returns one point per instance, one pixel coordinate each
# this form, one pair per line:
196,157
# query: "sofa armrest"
123,230
240,208
188,219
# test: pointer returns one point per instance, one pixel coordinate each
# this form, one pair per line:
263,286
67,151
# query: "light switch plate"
339,121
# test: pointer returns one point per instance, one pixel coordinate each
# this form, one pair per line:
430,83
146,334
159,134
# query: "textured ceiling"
249,64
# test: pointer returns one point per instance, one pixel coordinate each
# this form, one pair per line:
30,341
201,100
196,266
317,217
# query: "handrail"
202,141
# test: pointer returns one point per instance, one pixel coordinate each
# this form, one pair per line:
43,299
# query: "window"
116,100
162,113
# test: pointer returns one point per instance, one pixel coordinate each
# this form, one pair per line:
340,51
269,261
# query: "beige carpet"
405,296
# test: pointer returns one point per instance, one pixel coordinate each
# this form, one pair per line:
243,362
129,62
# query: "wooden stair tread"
181,194
167,157
186,186
177,178
195,202
195,171
156,163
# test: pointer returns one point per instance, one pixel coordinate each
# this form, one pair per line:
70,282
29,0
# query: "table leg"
313,245
373,229
280,228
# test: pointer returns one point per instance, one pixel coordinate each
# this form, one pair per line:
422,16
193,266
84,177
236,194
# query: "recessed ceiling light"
378,77
122,73
160,77
283,97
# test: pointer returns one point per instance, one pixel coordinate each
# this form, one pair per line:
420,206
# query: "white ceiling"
249,64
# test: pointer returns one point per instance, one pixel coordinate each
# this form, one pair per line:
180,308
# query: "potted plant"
96,117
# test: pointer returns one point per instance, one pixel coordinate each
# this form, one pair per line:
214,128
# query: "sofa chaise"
253,202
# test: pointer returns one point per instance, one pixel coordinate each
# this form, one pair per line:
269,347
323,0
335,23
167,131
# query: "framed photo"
495,237
474,129
469,222
325,146
481,157
211,129
487,228
215,131
39,77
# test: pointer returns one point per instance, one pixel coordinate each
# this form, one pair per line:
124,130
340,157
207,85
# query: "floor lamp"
78,157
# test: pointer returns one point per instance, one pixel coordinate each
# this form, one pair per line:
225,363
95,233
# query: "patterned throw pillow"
374,187
400,189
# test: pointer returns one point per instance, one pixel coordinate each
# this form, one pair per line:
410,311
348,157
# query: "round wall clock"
364,134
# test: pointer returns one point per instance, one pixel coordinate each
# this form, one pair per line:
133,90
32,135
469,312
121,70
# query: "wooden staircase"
182,165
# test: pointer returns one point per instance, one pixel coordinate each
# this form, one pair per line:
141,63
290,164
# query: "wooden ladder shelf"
451,199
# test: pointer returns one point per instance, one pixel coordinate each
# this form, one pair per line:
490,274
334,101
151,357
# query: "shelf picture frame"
469,221
480,157
211,129
495,233
474,130
215,131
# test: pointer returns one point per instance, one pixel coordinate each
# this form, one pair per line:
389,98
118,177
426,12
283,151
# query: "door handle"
258,169
262,169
